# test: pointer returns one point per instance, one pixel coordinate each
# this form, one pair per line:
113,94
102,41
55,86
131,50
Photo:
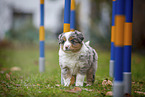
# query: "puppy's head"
71,41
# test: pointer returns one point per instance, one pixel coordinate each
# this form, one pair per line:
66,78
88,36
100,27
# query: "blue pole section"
66,26
72,22
111,68
72,16
41,38
127,45
118,89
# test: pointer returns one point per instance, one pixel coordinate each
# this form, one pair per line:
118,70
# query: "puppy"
76,58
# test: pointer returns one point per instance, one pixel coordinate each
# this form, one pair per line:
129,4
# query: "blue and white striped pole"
66,25
41,38
119,46
127,45
112,59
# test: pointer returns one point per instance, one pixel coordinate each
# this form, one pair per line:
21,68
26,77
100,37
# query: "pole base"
111,68
41,64
127,82
118,89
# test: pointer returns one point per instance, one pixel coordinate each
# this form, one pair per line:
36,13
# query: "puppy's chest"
70,61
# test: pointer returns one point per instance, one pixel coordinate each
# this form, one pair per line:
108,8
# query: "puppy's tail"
87,43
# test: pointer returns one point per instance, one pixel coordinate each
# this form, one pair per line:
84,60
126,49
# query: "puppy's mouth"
67,50
70,50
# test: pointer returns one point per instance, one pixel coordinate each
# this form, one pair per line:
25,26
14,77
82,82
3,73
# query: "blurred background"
20,19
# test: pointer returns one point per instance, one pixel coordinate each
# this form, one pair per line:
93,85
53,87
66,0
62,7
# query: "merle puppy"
76,58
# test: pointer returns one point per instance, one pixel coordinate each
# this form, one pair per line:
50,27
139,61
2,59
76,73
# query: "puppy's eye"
74,41
63,41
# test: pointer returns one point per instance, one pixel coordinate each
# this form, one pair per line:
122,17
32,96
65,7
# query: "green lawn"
29,82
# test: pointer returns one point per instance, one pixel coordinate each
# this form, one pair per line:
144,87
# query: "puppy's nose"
66,47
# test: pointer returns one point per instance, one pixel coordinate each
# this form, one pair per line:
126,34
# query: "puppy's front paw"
79,83
67,82
80,80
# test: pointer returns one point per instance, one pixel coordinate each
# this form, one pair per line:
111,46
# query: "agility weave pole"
66,25
122,43
127,45
41,38
119,43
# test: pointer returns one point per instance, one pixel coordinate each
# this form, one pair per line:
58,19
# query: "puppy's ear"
60,38
79,35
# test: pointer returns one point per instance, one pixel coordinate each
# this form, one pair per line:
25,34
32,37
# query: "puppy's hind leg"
90,76
73,78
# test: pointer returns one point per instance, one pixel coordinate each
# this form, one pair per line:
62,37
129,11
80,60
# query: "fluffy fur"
76,58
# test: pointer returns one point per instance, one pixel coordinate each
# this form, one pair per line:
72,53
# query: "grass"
28,82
